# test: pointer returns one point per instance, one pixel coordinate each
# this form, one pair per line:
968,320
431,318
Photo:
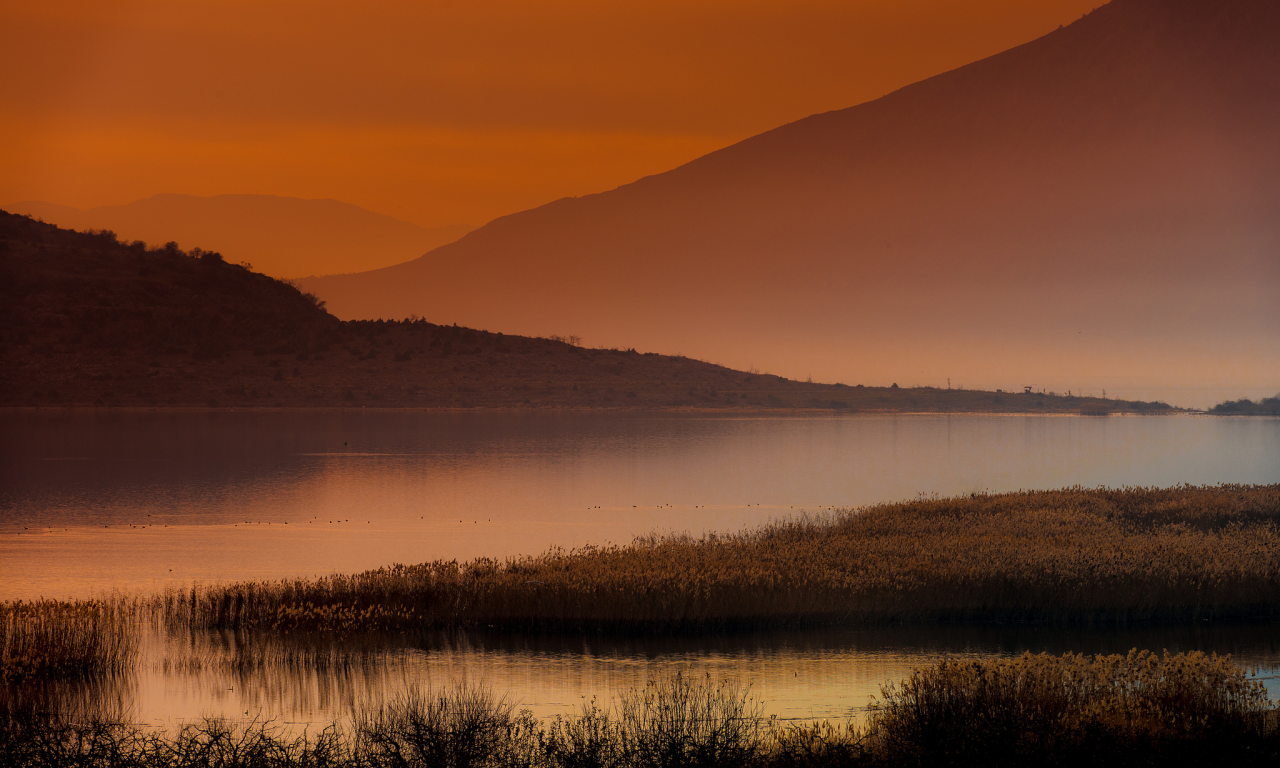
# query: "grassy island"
1072,555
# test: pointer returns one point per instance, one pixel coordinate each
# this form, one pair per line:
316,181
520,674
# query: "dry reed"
51,639
1073,709
1070,555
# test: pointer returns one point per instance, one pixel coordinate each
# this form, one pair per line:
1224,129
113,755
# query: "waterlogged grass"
51,639
1070,555
1139,709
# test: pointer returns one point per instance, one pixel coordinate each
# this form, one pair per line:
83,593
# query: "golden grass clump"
1014,710
51,639
1071,555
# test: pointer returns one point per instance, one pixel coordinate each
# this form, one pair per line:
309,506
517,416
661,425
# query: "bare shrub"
678,721
459,727
590,740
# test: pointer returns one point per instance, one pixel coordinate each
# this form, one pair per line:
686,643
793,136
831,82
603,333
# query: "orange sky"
443,113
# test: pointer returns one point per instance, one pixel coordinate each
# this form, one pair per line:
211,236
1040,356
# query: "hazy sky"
438,112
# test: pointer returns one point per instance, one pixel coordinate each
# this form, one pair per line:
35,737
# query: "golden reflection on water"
313,681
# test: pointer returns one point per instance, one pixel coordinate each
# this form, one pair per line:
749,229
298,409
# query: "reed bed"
1139,709
1084,710
51,639
1072,555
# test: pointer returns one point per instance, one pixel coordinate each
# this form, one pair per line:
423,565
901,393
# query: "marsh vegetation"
1073,555
52,639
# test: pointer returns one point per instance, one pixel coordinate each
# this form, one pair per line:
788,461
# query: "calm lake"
98,501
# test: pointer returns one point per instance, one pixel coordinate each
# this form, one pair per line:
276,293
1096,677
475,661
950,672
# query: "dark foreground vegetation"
1139,709
1267,406
1074,555
86,320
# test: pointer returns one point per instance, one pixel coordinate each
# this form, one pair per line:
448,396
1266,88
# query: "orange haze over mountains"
442,113
1100,204
1096,208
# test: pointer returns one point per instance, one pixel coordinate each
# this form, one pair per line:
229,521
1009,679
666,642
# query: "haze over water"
91,502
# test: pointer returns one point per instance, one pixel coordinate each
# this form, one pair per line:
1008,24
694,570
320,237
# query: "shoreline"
592,409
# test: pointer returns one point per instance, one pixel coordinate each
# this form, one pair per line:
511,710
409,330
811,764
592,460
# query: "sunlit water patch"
832,674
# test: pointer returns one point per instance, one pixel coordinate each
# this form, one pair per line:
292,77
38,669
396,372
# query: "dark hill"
1102,201
87,320
280,236
68,293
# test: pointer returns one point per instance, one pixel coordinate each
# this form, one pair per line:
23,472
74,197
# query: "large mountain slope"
1103,202
280,236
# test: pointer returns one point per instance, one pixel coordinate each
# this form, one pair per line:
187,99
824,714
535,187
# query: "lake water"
98,501
796,675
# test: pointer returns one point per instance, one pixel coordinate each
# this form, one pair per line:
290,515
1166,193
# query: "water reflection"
109,697
797,675
95,501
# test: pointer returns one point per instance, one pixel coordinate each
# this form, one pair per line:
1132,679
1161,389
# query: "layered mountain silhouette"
88,320
280,236
1102,201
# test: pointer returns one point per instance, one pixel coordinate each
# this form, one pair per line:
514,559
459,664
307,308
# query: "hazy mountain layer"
280,236
1101,202
86,320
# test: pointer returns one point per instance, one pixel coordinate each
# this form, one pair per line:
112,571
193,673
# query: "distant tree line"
1267,406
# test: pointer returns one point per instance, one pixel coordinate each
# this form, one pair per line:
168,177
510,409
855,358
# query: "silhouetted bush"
1268,406
461,727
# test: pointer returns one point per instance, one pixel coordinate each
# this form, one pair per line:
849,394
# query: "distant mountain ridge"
281,236
86,320
1102,200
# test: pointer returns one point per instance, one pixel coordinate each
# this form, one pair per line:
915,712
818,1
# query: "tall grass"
66,659
1139,709
1073,709
51,639
1071,555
